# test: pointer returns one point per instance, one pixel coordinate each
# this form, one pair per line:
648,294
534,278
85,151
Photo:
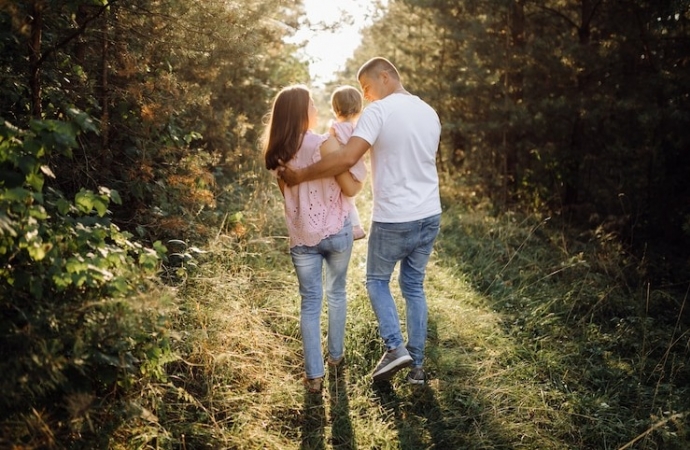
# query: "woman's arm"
345,180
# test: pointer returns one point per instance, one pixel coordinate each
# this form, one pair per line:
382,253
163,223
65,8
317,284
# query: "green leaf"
237,217
74,265
83,200
115,197
160,248
120,285
27,164
148,259
61,280
38,212
64,135
39,251
62,206
35,181
101,206
18,195
84,120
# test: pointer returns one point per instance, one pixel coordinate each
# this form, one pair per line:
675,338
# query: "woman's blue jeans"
409,243
335,251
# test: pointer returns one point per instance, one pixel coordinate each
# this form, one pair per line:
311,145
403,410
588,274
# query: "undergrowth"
539,338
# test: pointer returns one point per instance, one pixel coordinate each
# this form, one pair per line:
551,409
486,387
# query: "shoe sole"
392,368
415,381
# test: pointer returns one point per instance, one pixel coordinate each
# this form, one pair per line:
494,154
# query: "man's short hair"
376,65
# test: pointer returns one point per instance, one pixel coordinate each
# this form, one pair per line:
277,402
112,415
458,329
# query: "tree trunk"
578,150
105,110
513,86
35,57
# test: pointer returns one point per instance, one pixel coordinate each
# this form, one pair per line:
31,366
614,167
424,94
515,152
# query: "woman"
317,216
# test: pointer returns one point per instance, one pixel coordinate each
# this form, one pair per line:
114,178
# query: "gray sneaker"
391,362
416,376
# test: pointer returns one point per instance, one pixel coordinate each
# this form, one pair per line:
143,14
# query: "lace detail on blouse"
314,209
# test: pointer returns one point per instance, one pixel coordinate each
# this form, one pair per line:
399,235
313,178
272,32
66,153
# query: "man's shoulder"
398,101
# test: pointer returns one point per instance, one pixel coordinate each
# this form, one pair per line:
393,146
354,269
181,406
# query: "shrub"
82,320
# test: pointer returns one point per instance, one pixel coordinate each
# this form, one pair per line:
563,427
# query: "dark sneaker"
391,362
416,376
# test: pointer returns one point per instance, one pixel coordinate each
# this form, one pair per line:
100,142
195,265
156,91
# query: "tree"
574,108
116,118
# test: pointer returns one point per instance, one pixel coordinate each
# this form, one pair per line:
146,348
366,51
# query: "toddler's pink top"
343,131
314,209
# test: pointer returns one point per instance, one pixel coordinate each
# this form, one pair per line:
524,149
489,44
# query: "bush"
83,320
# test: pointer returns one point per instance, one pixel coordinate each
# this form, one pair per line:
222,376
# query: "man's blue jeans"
335,251
409,243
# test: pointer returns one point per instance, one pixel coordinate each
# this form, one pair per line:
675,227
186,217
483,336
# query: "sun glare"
334,34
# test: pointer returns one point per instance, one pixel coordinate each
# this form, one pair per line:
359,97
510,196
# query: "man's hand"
288,175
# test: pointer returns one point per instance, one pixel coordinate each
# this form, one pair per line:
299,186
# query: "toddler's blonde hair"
346,102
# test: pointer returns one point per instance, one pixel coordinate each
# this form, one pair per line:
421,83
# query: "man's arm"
330,165
347,182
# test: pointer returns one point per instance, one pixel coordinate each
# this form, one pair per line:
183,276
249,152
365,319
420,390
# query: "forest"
144,293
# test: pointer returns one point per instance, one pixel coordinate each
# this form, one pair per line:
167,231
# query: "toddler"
346,105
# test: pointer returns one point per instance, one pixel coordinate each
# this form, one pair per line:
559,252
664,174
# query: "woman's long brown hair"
288,121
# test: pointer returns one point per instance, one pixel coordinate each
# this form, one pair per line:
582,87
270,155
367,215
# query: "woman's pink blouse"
314,209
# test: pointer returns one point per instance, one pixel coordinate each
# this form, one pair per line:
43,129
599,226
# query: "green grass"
538,339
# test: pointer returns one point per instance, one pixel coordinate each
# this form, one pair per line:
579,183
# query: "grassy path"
514,359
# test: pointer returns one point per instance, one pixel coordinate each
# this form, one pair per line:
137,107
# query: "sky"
327,50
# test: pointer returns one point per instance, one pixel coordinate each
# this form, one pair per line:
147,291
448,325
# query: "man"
403,133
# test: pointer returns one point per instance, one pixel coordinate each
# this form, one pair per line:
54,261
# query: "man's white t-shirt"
404,134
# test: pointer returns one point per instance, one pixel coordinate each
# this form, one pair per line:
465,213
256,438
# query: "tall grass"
538,338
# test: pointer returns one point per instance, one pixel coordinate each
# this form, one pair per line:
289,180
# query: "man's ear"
385,77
